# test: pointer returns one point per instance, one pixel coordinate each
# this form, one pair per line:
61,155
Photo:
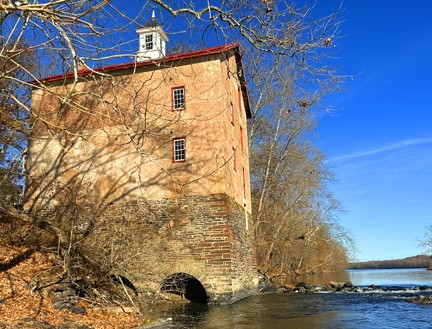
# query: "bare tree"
71,34
287,60
426,242
295,216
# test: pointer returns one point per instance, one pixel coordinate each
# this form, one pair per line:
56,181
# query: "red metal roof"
131,65
169,58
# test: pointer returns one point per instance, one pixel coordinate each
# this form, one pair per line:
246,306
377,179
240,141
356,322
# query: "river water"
377,309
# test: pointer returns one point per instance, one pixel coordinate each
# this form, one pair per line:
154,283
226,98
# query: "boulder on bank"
300,284
332,286
269,287
285,289
265,285
336,285
348,284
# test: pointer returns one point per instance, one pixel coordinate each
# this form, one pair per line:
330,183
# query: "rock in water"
303,285
421,300
348,285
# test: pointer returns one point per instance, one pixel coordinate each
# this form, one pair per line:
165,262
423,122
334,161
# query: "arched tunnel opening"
187,286
118,279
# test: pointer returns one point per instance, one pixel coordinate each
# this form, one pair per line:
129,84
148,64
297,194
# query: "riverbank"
25,305
419,261
325,310
412,281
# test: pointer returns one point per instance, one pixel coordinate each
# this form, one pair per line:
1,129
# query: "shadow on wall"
185,285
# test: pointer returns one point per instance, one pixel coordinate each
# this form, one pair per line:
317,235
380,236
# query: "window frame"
232,113
146,42
173,147
244,182
234,158
241,140
173,103
240,96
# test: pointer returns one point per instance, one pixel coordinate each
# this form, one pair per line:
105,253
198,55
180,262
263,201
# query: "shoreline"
422,295
91,317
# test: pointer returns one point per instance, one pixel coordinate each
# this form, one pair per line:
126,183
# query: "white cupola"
152,39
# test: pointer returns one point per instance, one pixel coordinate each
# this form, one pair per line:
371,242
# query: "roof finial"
153,14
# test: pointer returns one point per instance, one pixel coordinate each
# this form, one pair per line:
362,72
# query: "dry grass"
22,306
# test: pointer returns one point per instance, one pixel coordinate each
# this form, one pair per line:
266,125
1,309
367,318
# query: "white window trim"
174,149
149,42
173,99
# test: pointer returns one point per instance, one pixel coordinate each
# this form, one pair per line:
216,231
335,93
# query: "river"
377,309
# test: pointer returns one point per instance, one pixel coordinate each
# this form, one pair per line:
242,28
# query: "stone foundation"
207,237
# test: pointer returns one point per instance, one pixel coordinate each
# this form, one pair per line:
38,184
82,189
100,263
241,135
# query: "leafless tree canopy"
426,242
287,56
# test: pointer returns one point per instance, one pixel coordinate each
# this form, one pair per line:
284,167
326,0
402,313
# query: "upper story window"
178,98
179,149
149,41
244,182
232,113
241,139
240,103
234,158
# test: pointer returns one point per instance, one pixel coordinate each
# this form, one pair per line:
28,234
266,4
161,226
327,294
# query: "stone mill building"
157,149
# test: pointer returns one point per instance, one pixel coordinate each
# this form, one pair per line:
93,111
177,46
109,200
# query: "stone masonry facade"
208,237
158,216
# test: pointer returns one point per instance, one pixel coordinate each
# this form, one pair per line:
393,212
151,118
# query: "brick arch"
195,269
187,286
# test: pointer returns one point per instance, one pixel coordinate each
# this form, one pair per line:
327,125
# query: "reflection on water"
320,278
309,310
304,311
258,312
403,277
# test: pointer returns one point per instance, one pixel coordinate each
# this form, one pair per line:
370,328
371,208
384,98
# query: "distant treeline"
409,262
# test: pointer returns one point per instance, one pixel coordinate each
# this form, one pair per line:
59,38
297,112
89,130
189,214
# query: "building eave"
160,62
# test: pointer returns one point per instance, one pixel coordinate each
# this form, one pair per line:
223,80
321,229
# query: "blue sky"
379,139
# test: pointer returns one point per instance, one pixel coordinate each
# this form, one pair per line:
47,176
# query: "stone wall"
118,146
203,236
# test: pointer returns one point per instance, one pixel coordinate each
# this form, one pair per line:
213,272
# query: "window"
244,183
241,139
239,100
232,113
179,149
178,98
149,41
234,159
